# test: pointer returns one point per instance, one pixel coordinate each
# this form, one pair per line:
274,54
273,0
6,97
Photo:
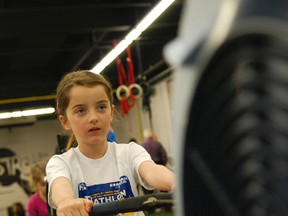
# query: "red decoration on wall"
123,93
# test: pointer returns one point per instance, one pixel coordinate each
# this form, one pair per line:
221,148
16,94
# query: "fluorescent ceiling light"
132,35
32,112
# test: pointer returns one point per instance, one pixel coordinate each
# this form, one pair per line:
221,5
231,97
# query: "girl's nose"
93,117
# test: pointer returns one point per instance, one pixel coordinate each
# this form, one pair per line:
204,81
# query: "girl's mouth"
94,129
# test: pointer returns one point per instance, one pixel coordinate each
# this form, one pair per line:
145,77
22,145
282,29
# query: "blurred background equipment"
233,122
17,209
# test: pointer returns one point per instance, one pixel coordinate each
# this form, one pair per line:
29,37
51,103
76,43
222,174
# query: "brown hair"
37,173
78,78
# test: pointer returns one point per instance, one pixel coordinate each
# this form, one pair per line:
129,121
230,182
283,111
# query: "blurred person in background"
156,151
37,204
154,147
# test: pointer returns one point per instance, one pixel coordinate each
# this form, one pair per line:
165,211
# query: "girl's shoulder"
34,197
66,156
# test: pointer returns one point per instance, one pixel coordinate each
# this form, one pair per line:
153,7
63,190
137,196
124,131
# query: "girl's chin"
98,140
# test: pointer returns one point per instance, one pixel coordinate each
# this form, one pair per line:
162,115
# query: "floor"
161,214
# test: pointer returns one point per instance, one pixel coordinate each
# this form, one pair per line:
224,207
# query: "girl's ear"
64,122
112,112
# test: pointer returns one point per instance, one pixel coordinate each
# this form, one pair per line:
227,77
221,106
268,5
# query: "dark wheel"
236,146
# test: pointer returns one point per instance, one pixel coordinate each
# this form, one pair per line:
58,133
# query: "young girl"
37,205
93,170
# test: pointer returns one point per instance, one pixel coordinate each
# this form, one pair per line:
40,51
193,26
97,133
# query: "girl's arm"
63,198
157,176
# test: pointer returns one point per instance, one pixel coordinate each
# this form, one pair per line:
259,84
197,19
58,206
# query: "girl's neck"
95,151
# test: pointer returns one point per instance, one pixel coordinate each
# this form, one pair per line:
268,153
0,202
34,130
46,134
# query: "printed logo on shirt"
107,192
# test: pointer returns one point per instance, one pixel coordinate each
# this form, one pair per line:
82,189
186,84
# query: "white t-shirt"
110,178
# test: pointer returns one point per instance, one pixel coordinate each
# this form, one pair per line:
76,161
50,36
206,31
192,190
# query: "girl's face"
88,115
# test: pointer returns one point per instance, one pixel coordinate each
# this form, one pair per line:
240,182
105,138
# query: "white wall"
28,144
133,124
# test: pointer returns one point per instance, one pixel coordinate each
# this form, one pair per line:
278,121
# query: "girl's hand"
74,207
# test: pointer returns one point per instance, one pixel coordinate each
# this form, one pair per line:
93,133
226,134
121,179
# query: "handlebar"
133,204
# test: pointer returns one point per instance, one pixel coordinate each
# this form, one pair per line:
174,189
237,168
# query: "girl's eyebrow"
98,102
77,105
103,101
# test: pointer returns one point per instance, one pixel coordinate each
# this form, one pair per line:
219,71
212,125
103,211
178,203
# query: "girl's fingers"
75,207
88,205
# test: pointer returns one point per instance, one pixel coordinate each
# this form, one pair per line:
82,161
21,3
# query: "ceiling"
42,40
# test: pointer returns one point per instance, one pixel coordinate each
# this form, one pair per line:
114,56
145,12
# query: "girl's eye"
80,110
103,107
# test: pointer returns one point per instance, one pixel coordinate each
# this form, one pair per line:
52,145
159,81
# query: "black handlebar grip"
132,204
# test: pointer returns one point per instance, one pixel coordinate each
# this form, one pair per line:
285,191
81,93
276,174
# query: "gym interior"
208,76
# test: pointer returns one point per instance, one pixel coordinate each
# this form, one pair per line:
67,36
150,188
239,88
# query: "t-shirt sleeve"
137,156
